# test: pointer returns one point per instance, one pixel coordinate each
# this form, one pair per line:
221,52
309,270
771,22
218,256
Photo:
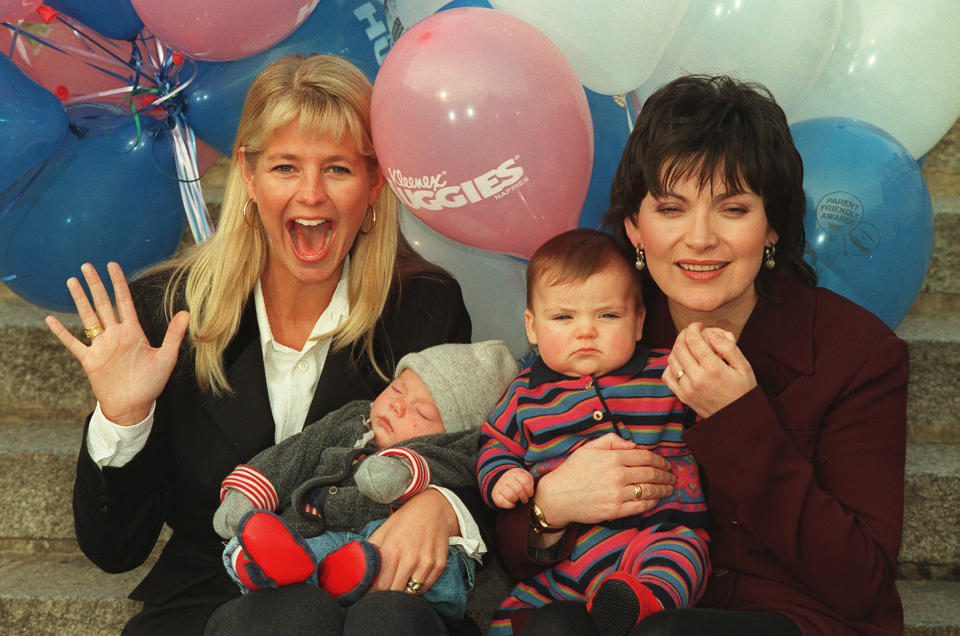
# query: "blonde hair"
331,97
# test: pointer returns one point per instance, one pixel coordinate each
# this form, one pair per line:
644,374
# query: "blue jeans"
448,595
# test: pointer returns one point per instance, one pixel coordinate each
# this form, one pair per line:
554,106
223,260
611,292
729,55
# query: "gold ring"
414,586
679,375
93,332
637,491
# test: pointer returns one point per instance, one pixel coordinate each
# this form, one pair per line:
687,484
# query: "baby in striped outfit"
593,377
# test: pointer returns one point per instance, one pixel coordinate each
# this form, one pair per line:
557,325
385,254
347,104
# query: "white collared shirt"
292,375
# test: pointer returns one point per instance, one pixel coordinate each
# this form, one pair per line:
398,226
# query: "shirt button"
598,415
332,490
303,365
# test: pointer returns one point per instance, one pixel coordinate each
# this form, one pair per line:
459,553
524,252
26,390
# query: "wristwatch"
538,524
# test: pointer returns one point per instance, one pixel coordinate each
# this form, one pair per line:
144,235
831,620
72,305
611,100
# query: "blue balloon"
105,194
32,123
611,127
115,19
869,221
354,29
459,4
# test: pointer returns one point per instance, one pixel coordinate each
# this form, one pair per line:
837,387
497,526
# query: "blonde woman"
303,300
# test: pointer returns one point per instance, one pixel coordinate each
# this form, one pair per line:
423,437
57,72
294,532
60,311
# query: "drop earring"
641,259
769,251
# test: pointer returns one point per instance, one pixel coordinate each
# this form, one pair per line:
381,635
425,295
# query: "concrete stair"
47,586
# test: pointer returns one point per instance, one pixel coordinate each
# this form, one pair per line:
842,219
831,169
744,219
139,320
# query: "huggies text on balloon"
431,192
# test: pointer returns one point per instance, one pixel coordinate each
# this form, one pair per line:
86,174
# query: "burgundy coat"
804,474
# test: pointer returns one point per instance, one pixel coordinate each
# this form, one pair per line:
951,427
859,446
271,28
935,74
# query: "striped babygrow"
543,417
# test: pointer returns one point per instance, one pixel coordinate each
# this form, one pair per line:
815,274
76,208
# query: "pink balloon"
483,130
222,29
13,10
69,74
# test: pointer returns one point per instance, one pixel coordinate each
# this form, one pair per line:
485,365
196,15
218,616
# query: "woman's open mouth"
310,237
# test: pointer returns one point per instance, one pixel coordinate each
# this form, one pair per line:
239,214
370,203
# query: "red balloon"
483,130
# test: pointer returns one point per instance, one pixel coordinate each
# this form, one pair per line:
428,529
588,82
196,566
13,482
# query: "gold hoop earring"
641,259
373,221
245,219
769,251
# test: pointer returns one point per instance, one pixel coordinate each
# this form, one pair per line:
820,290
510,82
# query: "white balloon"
613,47
494,286
896,65
783,44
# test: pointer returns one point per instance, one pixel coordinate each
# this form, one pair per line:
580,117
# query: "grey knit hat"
465,380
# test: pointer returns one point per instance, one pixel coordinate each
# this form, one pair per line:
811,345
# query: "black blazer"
197,439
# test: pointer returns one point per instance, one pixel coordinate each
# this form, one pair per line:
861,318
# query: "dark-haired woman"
798,423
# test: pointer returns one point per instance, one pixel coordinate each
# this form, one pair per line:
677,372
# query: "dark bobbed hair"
574,256
715,128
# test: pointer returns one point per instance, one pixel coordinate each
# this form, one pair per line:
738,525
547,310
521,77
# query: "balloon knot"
46,14
177,58
62,93
78,130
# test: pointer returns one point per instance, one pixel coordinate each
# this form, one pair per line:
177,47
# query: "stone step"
932,331
38,376
941,169
945,258
930,548
37,466
930,608
63,593
40,380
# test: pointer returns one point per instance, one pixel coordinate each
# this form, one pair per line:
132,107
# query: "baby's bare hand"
516,485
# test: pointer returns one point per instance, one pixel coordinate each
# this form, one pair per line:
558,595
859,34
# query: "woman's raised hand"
707,370
606,478
125,372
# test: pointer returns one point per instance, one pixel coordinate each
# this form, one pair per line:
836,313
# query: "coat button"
598,415
332,490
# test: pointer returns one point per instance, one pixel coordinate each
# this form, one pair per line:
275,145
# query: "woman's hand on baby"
515,485
125,372
600,481
413,542
715,372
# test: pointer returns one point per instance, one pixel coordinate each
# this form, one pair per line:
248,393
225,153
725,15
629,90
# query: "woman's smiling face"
704,248
312,193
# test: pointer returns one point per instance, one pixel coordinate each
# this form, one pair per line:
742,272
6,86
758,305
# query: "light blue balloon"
354,29
32,123
115,19
869,221
108,195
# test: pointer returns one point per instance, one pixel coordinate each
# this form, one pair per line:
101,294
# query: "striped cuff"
252,483
419,467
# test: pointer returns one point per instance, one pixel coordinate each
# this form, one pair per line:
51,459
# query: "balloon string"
185,154
66,50
78,31
634,112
